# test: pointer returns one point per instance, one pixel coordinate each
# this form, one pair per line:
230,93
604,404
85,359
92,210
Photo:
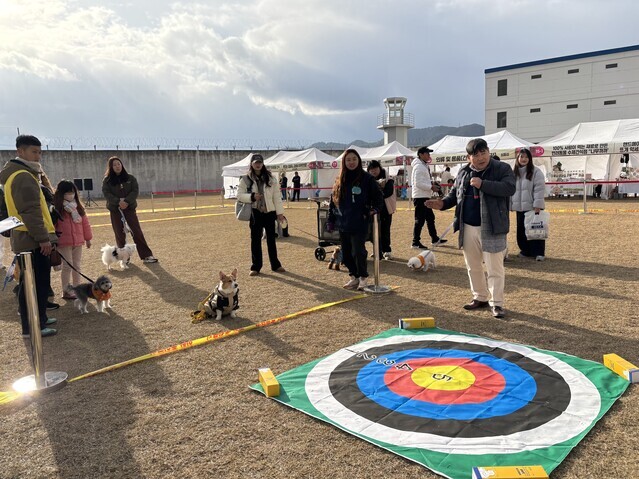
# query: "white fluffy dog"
423,261
113,254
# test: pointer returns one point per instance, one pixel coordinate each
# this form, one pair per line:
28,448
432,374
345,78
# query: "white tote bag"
536,225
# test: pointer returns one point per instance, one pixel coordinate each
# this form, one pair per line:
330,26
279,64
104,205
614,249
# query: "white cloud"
278,67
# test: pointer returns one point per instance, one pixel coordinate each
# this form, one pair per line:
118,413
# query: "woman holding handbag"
261,190
387,186
529,196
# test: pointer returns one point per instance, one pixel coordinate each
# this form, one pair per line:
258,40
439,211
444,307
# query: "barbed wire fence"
7,141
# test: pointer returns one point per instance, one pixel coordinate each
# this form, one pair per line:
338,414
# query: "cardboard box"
269,383
509,472
623,368
417,323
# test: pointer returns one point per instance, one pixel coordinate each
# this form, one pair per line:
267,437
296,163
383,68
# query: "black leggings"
354,253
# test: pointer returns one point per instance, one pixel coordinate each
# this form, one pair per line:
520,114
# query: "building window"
502,87
574,70
501,119
573,106
610,102
611,65
534,77
535,110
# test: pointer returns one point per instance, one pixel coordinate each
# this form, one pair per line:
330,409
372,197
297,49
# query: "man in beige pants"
481,196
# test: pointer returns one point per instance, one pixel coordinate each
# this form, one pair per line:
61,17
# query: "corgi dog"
224,299
112,255
100,291
423,261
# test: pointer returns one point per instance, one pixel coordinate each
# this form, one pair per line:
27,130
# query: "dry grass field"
191,414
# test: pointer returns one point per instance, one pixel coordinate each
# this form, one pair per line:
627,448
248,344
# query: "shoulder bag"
244,211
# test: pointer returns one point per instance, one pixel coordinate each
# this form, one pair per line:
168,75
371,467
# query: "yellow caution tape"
214,337
7,397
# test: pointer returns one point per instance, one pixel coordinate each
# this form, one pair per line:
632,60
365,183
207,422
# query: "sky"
259,72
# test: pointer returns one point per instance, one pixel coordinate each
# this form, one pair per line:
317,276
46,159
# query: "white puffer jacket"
421,180
529,194
272,195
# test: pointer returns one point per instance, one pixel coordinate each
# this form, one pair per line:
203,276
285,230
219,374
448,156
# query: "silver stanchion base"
377,289
54,380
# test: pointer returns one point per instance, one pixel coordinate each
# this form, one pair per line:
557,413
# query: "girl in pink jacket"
74,231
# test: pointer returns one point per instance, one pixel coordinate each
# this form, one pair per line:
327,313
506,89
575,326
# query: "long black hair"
530,168
265,176
111,176
341,179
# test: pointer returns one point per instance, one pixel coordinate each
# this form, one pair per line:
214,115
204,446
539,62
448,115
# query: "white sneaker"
388,256
352,283
363,283
540,258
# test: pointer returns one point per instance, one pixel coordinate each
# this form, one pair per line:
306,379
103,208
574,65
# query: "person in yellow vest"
25,200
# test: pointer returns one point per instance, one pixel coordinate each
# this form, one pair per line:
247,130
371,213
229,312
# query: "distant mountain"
416,137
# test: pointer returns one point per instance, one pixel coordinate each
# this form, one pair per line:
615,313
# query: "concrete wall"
163,170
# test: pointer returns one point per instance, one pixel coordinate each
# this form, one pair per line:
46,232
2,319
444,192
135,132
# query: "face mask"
69,197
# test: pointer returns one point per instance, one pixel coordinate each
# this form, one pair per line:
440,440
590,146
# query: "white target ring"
580,413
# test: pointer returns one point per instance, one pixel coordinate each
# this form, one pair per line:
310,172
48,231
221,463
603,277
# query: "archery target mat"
452,401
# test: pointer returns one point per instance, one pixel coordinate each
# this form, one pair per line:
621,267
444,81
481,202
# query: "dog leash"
125,225
74,269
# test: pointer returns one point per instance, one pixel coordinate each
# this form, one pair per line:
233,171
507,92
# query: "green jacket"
25,192
127,190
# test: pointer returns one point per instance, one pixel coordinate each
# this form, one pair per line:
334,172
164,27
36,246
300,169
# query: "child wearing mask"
74,232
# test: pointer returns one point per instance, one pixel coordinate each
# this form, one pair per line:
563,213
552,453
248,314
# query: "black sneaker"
498,312
419,246
52,306
440,241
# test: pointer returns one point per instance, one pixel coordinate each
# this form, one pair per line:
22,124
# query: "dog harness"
222,302
99,295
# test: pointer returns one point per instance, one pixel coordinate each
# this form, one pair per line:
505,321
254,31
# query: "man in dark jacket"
25,201
481,196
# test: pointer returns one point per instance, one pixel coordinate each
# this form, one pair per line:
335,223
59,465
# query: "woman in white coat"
528,196
262,190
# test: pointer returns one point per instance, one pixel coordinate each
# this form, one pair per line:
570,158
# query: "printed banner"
452,401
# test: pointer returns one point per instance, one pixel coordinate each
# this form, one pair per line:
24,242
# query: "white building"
537,100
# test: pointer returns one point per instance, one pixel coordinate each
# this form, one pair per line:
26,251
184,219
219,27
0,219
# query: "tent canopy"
311,158
452,149
391,154
594,138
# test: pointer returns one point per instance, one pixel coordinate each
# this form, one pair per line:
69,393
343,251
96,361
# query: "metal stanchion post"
585,211
195,200
376,288
152,208
173,194
40,381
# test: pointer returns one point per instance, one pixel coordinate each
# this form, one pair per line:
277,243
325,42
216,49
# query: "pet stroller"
324,238
328,238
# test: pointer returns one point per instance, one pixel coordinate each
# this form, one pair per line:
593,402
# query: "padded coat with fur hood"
26,197
272,195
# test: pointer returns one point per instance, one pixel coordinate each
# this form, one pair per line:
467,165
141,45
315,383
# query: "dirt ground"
191,414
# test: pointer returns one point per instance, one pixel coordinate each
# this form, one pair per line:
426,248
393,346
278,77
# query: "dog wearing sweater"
224,299
100,291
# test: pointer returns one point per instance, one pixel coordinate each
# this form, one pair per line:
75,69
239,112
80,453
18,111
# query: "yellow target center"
444,378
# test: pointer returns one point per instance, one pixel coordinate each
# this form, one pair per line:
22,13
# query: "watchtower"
395,122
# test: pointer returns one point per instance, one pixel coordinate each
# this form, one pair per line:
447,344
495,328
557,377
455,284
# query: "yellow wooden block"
269,383
417,323
509,472
623,368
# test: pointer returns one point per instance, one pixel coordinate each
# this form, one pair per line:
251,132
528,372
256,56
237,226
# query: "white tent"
452,149
391,154
594,151
315,168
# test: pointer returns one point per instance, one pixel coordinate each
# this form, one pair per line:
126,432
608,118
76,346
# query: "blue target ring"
519,390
